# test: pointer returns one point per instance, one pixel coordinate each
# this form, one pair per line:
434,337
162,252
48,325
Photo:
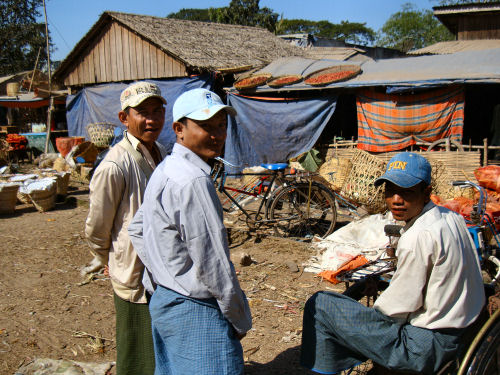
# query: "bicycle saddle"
275,167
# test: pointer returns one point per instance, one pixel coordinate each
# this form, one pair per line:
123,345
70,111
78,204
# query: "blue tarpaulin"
270,130
102,103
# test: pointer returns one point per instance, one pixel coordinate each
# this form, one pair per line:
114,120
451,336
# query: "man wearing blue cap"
198,310
424,317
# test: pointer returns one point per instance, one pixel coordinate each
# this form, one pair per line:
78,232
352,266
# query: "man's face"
145,121
205,138
406,203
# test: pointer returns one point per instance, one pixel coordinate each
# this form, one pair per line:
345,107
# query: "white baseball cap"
199,104
137,92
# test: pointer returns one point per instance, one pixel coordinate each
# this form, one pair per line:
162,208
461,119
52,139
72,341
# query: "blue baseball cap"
199,104
406,169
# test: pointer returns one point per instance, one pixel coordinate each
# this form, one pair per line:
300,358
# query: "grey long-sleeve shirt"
180,237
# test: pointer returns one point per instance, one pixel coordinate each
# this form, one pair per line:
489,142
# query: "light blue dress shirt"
180,237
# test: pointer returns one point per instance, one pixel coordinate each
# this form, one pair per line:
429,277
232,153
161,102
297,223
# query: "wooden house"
471,21
127,47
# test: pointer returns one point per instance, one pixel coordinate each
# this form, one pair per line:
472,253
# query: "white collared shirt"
437,283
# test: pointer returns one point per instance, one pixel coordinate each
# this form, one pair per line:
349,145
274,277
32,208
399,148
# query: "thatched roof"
199,45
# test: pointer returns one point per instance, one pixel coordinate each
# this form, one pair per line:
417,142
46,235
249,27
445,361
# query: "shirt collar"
426,208
133,140
186,153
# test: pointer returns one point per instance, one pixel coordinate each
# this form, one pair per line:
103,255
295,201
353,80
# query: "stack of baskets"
101,133
8,197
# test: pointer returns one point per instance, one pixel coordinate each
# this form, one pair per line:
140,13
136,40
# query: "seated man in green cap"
421,321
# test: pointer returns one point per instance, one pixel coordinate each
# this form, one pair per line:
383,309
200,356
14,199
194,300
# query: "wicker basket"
252,81
335,172
332,74
8,197
24,198
101,133
358,186
44,200
284,80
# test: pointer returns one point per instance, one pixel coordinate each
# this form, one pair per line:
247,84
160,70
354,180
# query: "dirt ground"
48,310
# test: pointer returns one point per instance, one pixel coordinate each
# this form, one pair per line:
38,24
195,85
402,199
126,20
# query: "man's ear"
123,117
178,128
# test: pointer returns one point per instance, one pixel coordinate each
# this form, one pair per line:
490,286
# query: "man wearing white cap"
198,310
425,317
116,192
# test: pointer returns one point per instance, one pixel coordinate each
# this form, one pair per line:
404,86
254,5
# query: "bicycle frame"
222,188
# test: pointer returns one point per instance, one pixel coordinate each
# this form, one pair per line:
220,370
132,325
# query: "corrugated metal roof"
444,48
417,71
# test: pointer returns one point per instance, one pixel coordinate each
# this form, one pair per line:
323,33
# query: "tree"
191,14
411,29
21,36
350,32
246,13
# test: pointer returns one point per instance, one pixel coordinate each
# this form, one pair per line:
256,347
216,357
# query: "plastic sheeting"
102,103
274,130
393,122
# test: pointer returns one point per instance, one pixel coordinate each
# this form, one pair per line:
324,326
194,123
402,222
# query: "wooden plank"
120,76
153,60
132,55
112,52
139,59
107,42
146,58
160,57
102,62
95,55
91,77
125,54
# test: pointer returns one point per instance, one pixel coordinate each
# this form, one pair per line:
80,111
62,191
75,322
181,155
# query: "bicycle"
294,204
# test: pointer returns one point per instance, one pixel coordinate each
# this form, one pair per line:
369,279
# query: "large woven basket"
44,200
335,172
8,197
358,186
101,133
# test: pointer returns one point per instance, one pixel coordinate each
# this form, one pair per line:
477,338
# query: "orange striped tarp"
390,122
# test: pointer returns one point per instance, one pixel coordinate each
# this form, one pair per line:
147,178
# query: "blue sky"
69,20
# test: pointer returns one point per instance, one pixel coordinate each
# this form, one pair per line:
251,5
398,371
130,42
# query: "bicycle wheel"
486,357
303,210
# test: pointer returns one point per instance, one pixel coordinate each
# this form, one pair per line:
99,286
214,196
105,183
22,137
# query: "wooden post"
485,155
51,99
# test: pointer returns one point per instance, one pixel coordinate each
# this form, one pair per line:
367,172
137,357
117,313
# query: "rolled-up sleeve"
200,223
106,192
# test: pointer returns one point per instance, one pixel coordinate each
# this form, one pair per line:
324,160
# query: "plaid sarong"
134,341
390,122
339,333
191,336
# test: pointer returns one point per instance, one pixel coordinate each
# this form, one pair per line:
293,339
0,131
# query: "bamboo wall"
120,55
